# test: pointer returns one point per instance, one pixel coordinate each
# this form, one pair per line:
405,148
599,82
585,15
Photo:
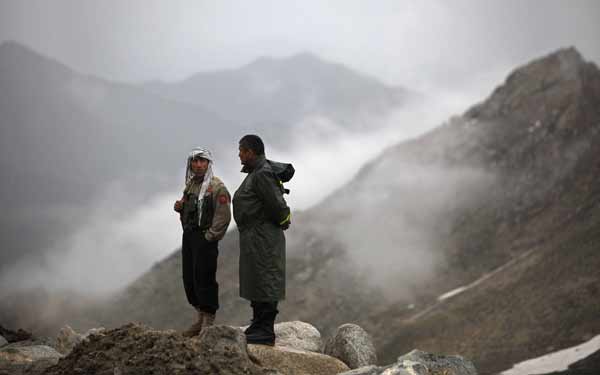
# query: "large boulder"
352,345
298,335
3,341
291,361
418,362
34,359
28,353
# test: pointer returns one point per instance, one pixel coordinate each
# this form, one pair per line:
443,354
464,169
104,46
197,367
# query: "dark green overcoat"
261,212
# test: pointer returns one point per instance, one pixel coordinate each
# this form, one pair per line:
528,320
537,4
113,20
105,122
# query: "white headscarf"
189,175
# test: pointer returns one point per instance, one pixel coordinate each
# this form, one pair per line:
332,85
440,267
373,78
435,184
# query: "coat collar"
260,160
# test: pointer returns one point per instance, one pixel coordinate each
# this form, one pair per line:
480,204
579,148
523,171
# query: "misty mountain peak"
283,92
10,46
306,58
303,66
19,62
560,88
299,58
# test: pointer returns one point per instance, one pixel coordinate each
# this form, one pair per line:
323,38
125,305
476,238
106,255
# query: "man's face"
199,166
245,155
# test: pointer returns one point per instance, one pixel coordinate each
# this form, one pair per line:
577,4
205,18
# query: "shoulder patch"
223,199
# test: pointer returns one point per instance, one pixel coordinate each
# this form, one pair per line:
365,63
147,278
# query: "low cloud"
119,239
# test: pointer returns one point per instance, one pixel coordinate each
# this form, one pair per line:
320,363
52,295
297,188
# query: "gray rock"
67,338
418,362
292,361
298,335
352,345
366,370
29,353
25,368
223,341
3,341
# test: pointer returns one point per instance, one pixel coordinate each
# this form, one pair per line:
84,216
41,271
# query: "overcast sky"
418,44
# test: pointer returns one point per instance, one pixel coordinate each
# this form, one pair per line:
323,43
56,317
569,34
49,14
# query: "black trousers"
199,263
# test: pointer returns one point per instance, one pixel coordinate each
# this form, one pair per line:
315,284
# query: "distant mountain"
481,235
275,94
65,136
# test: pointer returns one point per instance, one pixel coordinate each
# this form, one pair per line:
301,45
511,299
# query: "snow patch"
452,293
557,361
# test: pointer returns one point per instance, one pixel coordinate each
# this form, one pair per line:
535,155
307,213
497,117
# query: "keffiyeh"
199,152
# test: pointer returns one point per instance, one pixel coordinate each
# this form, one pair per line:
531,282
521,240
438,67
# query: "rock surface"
422,363
352,345
16,359
298,335
366,370
28,353
67,338
137,349
3,341
418,362
291,361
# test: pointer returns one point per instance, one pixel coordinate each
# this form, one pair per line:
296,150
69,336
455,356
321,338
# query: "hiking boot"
262,331
254,322
208,320
196,327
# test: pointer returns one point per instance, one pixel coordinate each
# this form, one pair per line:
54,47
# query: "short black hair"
254,143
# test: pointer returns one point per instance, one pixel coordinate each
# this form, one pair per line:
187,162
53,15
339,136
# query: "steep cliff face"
478,238
525,250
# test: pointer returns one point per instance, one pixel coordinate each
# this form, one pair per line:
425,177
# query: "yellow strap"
289,216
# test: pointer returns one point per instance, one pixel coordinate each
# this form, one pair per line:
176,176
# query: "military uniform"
200,241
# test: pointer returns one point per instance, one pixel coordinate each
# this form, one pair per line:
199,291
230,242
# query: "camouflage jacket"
216,210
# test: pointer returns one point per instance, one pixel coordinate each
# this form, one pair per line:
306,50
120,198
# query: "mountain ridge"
502,203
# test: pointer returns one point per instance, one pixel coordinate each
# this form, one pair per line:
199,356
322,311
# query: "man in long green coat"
262,215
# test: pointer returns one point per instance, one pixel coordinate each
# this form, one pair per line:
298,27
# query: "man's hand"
178,206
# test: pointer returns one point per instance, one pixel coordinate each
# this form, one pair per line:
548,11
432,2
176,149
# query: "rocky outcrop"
352,345
298,335
135,348
291,361
418,362
422,363
138,349
67,338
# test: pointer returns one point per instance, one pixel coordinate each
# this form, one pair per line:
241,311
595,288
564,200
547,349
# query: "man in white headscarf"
205,214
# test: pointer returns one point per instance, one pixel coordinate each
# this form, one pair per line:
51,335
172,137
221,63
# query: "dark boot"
262,331
254,322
